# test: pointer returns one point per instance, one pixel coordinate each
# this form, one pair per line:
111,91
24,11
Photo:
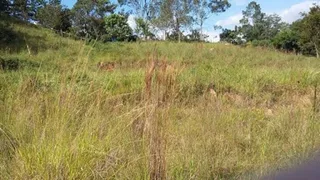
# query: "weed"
164,111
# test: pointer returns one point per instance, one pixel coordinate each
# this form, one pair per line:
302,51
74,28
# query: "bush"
286,40
262,43
6,33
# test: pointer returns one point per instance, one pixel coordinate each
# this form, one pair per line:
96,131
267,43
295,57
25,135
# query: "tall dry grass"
165,111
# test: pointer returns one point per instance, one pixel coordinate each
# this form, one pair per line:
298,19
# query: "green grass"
62,118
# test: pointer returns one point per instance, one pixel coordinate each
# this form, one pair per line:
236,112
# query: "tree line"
104,20
260,29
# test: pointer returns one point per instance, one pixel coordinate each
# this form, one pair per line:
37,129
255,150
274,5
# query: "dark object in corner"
306,171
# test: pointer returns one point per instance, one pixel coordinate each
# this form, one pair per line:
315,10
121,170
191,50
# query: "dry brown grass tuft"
160,90
156,116
107,66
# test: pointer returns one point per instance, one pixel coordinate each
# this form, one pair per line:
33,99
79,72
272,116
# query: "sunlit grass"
63,118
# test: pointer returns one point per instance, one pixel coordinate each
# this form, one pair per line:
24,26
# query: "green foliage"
307,32
117,28
17,64
55,16
175,36
203,8
88,18
310,28
143,28
26,9
174,15
287,40
252,22
196,36
218,6
260,29
6,33
256,25
4,6
272,26
65,20
25,37
202,12
143,9
308,49
48,16
162,15
262,43
63,118
228,35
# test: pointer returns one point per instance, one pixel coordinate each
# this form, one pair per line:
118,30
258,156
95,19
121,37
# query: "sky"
289,11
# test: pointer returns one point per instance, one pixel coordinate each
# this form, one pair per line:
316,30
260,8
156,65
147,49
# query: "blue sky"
68,3
288,10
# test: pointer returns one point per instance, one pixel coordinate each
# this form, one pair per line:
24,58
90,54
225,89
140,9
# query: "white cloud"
213,35
230,21
293,13
131,21
288,15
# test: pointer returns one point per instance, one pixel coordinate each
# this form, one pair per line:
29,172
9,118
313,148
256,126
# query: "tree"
117,28
258,26
228,35
88,17
174,15
141,8
202,11
310,28
272,25
55,16
65,20
26,9
252,22
203,8
4,6
144,11
196,36
162,15
232,36
48,16
143,28
287,40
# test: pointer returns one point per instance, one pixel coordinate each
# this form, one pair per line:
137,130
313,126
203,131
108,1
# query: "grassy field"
166,110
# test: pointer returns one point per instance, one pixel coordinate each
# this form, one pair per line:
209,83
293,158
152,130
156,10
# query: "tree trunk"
178,30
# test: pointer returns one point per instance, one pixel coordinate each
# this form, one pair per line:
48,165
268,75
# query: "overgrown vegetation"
176,20
76,110
96,19
260,29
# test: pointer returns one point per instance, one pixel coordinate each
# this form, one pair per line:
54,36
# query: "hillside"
151,109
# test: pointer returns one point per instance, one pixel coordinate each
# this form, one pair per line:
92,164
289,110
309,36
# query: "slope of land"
200,111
